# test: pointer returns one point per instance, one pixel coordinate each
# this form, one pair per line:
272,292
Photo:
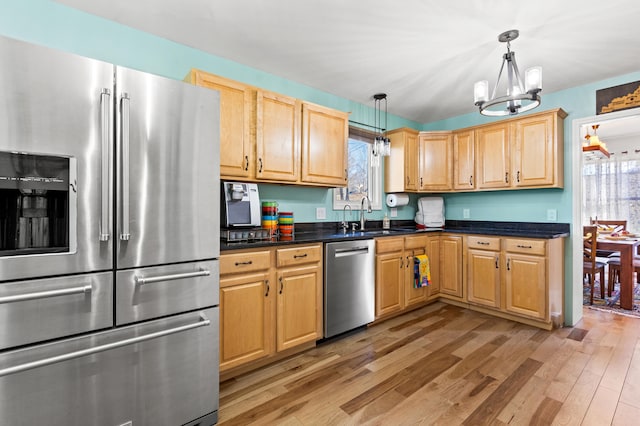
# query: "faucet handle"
354,227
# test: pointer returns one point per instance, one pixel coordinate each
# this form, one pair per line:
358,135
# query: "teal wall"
51,24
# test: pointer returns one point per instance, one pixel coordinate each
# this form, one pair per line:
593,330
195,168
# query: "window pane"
358,175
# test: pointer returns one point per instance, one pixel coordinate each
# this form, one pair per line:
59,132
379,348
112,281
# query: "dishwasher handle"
352,251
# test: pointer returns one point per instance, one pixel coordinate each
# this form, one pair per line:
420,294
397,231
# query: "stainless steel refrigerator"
109,244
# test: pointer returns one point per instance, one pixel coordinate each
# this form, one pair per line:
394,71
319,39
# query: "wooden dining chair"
614,271
590,266
609,224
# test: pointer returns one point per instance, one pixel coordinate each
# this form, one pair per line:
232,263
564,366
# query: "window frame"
374,175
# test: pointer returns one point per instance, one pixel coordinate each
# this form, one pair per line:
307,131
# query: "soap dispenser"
386,223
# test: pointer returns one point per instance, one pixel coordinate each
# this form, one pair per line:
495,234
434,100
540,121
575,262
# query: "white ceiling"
425,55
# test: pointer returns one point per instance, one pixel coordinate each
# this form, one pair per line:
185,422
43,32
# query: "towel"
421,271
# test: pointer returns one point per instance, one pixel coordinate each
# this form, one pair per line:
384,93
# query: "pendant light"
517,92
381,143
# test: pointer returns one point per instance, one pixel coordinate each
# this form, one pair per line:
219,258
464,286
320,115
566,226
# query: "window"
611,189
364,173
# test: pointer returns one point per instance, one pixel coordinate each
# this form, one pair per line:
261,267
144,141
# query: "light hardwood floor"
446,365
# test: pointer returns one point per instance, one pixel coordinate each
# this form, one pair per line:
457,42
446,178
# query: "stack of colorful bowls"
270,216
285,225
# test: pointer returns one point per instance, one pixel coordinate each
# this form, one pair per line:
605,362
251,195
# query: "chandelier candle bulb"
481,91
533,79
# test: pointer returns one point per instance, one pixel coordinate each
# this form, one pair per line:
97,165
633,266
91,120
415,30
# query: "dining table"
627,248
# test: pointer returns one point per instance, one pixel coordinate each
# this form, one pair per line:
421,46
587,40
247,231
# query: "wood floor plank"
492,406
445,365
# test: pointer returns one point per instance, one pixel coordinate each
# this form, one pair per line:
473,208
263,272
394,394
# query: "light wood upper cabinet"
492,156
401,167
464,160
325,135
269,137
537,157
277,137
435,162
236,148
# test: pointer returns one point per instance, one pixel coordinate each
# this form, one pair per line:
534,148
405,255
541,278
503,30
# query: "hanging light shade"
381,143
521,96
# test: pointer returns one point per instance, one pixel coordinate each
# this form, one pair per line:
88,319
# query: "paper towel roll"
397,200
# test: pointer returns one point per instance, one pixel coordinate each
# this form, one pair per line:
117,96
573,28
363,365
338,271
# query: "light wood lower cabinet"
451,267
484,267
395,291
270,302
518,277
390,275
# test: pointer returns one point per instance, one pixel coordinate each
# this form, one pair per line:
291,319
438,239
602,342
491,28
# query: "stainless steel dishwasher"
349,285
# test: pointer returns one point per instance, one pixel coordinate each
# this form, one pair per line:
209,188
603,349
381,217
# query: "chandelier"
517,92
381,143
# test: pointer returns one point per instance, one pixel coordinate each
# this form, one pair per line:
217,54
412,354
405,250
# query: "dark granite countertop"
327,232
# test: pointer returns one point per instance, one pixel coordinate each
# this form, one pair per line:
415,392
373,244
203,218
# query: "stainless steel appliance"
109,244
240,204
349,285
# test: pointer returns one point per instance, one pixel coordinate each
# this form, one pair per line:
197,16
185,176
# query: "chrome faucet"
362,218
344,225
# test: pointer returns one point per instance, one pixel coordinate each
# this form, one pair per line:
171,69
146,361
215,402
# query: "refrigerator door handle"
105,136
204,321
46,294
159,278
124,149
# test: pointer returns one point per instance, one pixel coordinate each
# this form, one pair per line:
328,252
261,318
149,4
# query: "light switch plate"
393,212
466,213
552,214
321,213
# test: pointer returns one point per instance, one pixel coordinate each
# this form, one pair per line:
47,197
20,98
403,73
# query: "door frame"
576,185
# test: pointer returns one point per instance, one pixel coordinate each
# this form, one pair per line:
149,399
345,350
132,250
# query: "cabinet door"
451,266
483,279
435,161
412,295
526,286
492,156
297,306
389,278
433,250
463,160
277,137
246,319
236,156
534,151
325,134
411,162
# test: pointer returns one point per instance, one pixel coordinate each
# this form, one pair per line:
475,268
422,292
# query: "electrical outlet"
552,215
393,212
321,213
466,213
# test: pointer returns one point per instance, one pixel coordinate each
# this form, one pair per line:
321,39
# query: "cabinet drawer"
298,255
525,246
415,242
388,245
248,261
484,243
